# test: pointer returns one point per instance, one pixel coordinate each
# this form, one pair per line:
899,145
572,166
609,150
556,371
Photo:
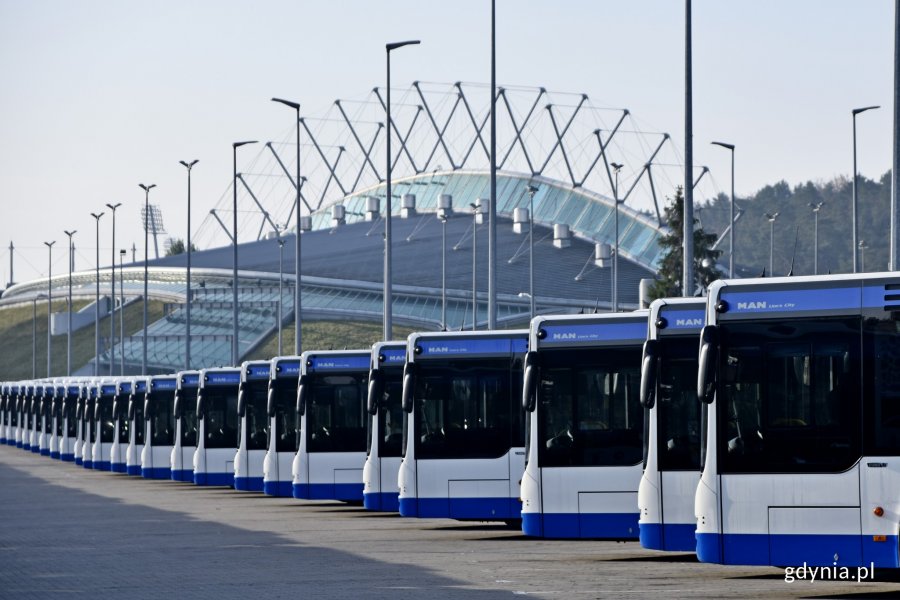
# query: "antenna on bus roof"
794,254
763,274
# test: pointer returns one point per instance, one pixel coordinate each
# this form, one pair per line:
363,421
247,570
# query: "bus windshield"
788,395
88,414
336,418
220,416
390,414
187,400
677,406
162,421
467,409
589,408
285,399
255,395
138,400
120,414
104,422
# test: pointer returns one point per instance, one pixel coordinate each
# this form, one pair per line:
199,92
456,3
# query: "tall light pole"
97,299
190,298
69,318
122,308
855,112
280,287
862,251
492,208
615,267
298,337
771,217
146,189
443,215
731,222
34,334
532,190
112,293
234,245
895,159
688,247
816,208
388,258
49,297
474,265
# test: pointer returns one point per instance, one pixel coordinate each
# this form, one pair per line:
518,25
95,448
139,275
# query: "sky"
100,95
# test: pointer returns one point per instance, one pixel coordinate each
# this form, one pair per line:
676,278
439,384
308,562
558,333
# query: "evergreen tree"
670,268
176,246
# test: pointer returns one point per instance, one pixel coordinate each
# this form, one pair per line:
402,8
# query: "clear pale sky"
100,95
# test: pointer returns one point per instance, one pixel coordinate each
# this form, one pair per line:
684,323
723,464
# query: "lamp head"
395,45
147,188
189,164
856,111
293,105
616,166
724,145
113,207
239,144
96,216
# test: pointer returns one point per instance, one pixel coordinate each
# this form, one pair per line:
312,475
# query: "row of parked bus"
757,425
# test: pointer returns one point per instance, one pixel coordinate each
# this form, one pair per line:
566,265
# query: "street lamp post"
234,245
862,257
298,338
615,267
855,112
146,189
731,222
97,300
189,298
34,334
817,206
532,190
771,217
49,297
122,308
388,265
69,318
443,216
112,293
474,265
280,288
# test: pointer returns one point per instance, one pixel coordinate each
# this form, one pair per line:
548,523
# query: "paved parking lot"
68,532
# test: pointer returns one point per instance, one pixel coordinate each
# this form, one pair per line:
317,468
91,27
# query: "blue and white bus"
103,430
331,402
44,418
385,431
182,460
464,448
4,413
34,412
800,383
89,432
137,426
253,427
672,441
80,403
56,418
159,435
14,406
284,373
68,433
217,429
118,455
582,398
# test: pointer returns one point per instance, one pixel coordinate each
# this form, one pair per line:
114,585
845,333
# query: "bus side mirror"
649,373
148,408
302,392
131,411
709,354
376,389
242,401
177,406
529,385
409,383
270,401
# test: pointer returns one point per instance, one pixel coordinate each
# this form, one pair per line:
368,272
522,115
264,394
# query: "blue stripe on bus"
339,362
156,473
183,475
248,484
382,501
119,468
214,479
795,550
67,457
45,451
102,465
328,491
54,455
34,449
461,347
482,509
672,537
283,489
572,333
393,355
79,461
133,470
87,464
619,526
761,301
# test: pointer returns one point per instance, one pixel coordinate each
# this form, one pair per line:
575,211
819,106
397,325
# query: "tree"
670,268
176,246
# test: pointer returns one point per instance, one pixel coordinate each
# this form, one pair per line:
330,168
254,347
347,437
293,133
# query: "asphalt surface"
72,533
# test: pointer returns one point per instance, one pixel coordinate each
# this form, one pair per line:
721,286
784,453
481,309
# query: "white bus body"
56,419
137,428
331,399
217,425
44,418
182,460
800,380
253,426
118,455
581,394
464,451
159,437
672,443
89,432
80,403
104,427
385,430
281,409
